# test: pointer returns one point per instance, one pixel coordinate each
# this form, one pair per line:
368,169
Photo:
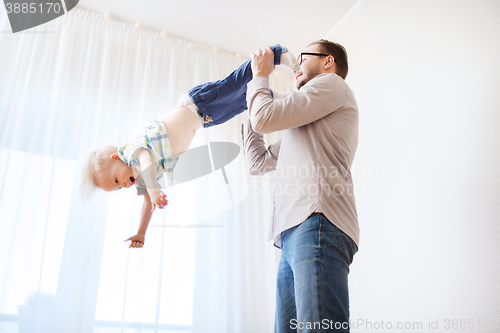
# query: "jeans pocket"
347,245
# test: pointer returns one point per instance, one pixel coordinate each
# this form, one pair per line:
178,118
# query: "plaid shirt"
152,137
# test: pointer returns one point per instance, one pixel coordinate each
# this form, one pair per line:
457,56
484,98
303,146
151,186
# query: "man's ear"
330,62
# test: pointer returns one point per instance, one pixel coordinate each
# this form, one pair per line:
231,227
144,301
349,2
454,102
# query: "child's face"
116,175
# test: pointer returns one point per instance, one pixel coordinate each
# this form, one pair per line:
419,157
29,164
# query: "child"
143,160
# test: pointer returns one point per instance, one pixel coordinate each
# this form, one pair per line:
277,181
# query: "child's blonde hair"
96,161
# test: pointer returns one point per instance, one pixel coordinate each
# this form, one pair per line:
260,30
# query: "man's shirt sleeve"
321,96
259,159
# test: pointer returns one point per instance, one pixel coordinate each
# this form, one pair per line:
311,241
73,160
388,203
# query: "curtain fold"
80,82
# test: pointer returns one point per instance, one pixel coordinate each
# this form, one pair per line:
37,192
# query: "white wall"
426,74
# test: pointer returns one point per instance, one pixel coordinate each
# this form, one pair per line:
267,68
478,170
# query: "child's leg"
222,100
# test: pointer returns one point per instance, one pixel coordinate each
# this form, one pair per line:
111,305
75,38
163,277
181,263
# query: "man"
314,219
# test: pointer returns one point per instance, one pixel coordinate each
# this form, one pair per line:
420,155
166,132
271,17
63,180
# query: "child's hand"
137,241
158,198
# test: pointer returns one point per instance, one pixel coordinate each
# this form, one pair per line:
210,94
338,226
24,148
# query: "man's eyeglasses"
299,58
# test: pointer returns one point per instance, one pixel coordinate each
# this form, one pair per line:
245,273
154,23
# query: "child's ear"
115,156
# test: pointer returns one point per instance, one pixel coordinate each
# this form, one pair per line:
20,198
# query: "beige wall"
426,74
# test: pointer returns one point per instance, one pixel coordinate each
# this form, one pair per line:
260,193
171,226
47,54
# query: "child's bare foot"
289,60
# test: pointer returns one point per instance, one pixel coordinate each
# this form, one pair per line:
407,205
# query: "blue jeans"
222,100
311,290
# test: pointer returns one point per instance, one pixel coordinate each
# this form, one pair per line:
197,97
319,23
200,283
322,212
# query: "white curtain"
75,84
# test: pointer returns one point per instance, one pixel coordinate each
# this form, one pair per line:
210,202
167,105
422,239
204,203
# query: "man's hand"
158,198
137,241
262,62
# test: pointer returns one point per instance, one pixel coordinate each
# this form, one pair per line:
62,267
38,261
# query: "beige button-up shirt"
313,159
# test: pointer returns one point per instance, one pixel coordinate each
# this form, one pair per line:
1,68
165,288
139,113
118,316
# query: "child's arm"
148,173
146,212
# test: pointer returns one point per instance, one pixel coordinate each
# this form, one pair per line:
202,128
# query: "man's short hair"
338,52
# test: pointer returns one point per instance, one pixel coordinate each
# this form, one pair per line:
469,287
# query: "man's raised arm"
259,159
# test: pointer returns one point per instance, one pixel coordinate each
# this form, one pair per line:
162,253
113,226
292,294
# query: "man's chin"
299,84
